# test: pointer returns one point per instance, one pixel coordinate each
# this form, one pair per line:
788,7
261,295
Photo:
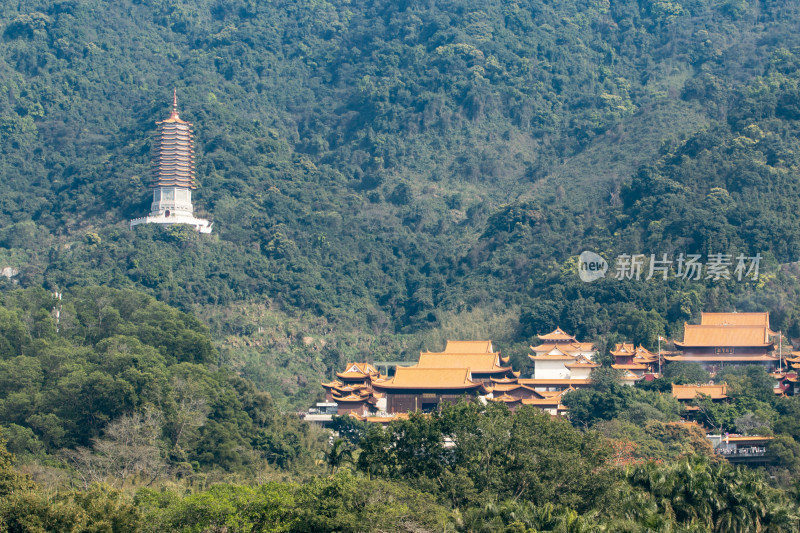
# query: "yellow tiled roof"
429,378
557,334
717,358
623,348
477,362
357,370
720,335
582,362
505,398
556,354
504,380
735,319
468,347
555,381
690,392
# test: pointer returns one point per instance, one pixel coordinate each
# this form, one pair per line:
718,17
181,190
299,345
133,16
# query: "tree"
339,454
685,373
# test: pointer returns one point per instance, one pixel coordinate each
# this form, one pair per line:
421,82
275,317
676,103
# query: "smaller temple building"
635,360
561,362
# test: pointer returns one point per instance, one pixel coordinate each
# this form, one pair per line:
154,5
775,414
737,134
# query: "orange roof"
341,389
358,370
563,346
719,335
567,347
723,358
557,334
541,401
477,362
582,362
534,382
735,319
505,398
632,366
623,348
468,347
429,378
745,438
386,419
357,398
504,386
503,380
556,354
331,384
690,392
643,352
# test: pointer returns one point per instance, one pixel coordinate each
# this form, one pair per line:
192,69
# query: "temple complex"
464,368
174,175
723,339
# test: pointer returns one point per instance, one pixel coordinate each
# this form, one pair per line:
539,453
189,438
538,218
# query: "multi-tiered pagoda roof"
174,156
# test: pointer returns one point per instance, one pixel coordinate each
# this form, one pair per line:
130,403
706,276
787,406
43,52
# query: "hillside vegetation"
385,175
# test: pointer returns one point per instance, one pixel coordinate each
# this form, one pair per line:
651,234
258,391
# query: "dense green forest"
385,176
382,177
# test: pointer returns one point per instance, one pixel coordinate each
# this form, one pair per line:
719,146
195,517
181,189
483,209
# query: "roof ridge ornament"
174,114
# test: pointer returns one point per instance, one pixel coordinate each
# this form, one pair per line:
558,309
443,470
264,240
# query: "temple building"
549,402
356,377
561,362
463,369
633,360
687,394
565,343
174,175
424,389
788,383
483,366
723,339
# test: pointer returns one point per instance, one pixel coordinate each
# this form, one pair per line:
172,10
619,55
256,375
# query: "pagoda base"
200,225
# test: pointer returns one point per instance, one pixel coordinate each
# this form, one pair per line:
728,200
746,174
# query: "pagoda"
173,175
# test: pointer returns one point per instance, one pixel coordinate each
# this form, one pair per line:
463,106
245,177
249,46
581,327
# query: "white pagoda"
173,175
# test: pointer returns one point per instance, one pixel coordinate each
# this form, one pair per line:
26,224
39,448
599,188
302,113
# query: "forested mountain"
383,175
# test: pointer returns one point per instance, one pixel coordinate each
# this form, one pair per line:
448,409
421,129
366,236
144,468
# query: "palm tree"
339,454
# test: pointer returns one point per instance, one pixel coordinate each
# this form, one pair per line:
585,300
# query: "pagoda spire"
174,115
